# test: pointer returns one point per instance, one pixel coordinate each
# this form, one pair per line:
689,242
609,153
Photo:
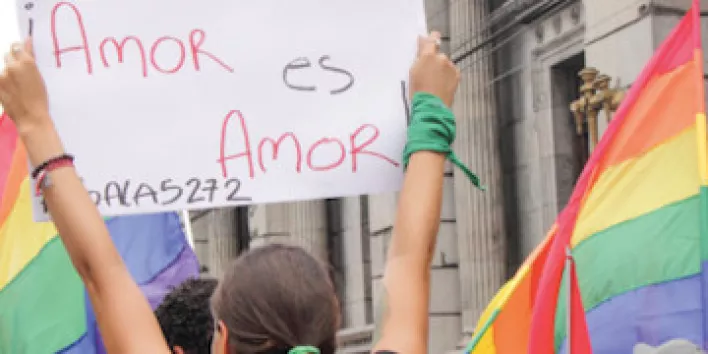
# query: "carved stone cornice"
563,40
563,28
551,47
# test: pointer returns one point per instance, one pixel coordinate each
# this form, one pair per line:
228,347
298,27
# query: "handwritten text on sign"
174,104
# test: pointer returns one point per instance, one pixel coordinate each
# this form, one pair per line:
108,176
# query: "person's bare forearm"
404,325
115,297
419,204
77,220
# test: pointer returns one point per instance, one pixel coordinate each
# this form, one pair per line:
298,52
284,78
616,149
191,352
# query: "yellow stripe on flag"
21,238
650,187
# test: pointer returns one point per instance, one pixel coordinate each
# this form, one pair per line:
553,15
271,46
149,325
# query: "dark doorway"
243,233
571,149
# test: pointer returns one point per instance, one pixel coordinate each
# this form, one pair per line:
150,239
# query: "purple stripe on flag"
652,314
184,267
147,243
157,254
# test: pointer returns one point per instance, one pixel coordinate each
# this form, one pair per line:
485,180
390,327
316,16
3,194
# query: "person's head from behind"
185,317
274,299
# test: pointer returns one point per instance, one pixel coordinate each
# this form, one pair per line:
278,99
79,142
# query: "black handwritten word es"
304,63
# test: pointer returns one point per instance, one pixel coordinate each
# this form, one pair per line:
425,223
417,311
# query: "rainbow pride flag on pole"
637,225
43,304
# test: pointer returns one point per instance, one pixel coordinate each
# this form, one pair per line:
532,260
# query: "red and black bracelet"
42,171
43,166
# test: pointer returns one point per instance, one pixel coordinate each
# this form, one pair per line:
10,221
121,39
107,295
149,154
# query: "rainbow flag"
43,304
637,223
504,325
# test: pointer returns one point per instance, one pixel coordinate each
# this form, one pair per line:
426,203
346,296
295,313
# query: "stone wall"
356,298
215,243
481,231
300,223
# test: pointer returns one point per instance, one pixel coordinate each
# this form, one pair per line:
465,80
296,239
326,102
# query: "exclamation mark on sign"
406,104
29,6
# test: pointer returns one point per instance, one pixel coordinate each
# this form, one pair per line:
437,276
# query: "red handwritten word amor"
240,130
148,58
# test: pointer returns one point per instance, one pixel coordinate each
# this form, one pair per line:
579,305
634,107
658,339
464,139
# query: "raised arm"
124,316
433,82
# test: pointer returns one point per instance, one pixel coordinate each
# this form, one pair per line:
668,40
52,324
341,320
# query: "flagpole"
569,299
188,228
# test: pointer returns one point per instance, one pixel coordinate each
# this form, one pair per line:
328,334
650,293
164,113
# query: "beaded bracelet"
42,177
43,166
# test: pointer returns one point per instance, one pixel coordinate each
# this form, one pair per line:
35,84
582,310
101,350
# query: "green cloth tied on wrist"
304,350
432,128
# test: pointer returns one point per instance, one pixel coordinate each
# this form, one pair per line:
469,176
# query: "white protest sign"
183,104
23,8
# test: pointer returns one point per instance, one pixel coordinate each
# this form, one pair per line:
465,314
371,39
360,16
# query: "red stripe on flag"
579,335
8,141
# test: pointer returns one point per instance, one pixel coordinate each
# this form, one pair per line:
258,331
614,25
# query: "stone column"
356,334
300,223
215,240
382,214
480,228
356,295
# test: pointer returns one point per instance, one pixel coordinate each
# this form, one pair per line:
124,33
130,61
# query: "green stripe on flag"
704,223
42,309
478,336
653,248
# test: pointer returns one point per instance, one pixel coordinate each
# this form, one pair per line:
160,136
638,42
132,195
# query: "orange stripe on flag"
511,328
646,124
18,172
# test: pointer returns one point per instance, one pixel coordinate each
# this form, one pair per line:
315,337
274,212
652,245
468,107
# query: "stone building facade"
519,61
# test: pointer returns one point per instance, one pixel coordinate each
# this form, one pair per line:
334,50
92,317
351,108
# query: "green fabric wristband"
433,128
304,350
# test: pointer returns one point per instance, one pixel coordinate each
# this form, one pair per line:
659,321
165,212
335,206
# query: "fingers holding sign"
429,45
22,91
10,56
433,72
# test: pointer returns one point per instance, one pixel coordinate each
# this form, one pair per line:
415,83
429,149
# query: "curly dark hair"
185,316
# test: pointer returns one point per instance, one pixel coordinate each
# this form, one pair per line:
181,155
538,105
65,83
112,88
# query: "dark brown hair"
277,297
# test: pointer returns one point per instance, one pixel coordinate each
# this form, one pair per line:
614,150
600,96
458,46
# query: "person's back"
185,317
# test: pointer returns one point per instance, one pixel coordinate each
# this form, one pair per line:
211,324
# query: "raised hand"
23,94
433,72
